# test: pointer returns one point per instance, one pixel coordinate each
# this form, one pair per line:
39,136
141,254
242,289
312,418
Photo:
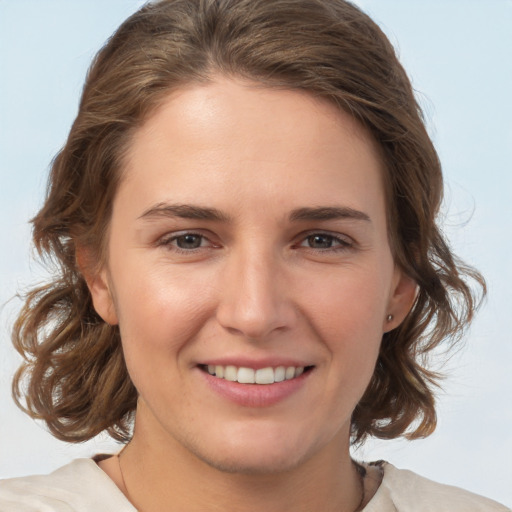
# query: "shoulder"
80,486
406,491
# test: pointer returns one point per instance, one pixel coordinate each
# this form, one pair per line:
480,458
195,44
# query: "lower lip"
255,395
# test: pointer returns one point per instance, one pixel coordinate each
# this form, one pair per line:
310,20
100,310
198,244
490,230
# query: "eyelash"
341,243
167,242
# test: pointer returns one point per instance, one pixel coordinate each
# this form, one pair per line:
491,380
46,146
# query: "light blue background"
459,54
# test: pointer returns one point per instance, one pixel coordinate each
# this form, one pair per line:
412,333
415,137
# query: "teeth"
230,373
245,375
279,374
264,376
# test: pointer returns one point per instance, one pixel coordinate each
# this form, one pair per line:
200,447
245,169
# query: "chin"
256,454
252,464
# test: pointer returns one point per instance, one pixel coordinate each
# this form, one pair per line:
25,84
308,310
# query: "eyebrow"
184,211
188,211
328,213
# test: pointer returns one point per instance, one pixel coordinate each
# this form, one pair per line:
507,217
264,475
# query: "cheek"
347,316
157,318
158,310
348,305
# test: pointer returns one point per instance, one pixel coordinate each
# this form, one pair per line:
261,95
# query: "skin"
260,285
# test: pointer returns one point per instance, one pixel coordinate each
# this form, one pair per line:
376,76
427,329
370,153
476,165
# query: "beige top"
82,486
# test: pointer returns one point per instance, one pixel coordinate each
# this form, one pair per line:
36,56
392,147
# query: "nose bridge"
253,300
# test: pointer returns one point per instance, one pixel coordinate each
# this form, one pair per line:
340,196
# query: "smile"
244,375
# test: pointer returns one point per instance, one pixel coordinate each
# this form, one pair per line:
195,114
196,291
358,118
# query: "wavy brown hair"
74,377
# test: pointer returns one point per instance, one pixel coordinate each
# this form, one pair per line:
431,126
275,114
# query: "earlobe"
102,297
99,288
401,301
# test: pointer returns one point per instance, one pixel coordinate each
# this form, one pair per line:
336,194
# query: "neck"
162,475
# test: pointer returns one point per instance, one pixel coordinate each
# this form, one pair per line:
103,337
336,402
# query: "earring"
389,318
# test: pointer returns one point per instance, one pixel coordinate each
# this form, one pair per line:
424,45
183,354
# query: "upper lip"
256,364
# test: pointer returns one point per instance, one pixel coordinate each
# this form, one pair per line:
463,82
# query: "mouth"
263,376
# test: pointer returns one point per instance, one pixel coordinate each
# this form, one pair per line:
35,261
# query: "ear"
99,286
402,296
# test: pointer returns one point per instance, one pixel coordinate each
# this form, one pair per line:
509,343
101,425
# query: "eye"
325,241
189,241
184,242
320,241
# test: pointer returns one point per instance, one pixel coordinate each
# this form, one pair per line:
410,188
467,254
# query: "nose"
255,300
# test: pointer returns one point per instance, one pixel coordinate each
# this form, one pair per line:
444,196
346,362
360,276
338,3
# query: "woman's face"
248,239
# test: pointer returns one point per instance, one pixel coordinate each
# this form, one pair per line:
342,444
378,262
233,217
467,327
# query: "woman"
250,269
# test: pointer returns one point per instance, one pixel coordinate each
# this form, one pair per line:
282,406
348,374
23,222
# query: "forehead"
204,139
224,104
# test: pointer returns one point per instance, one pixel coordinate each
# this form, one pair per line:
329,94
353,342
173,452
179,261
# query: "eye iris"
188,241
320,241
